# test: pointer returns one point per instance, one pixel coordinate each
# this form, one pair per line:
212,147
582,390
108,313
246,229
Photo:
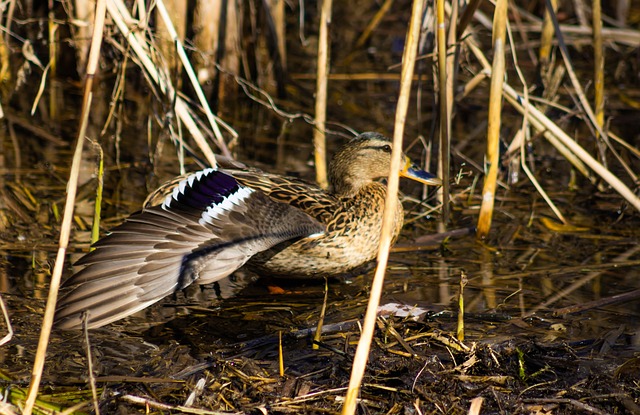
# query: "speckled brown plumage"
203,226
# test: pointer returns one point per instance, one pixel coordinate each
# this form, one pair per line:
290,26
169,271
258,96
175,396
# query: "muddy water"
559,294
529,280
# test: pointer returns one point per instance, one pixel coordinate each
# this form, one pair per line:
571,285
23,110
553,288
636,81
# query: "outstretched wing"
206,229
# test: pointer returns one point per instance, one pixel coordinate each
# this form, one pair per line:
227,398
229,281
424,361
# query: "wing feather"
208,227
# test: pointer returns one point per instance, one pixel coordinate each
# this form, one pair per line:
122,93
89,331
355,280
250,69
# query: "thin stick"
495,119
65,229
319,139
364,345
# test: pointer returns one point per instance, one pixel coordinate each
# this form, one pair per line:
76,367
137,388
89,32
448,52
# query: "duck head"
366,158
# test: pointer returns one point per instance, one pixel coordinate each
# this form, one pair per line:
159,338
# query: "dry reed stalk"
277,10
228,53
92,378
532,178
280,354
541,123
123,20
526,43
65,229
460,327
193,78
581,13
598,62
95,227
206,16
319,138
7,26
445,93
165,35
586,107
495,118
521,135
466,17
546,38
323,312
364,344
622,36
54,91
377,18
83,12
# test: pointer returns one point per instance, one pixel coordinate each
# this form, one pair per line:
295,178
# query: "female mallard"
210,223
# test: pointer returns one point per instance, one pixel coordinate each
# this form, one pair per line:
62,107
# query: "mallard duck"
204,226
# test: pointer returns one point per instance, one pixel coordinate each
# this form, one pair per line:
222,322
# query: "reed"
495,118
319,139
364,344
598,62
65,229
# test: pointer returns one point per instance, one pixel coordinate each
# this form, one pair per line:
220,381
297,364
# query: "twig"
148,403
366,33
476,404
573,402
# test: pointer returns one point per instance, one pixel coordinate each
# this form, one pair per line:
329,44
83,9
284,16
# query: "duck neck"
346,176
345,186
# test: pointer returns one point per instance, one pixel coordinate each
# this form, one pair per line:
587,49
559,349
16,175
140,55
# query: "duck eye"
386,148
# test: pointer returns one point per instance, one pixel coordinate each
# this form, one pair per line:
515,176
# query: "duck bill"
412,172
